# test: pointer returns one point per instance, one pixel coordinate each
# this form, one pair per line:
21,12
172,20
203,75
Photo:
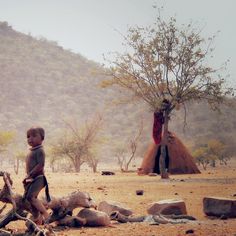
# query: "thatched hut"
179,160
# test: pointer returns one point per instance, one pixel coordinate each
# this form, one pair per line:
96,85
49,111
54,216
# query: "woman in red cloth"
149,163
157,126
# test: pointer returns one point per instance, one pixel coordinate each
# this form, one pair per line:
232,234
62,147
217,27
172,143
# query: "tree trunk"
121,162
213,163
164,142
16,166
95,165
133,150
77,164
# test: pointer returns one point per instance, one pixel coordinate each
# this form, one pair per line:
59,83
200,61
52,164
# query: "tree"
202,157
125,153
20,156
211,152
166,66
92,161
77,143
218,149
59,161
5,139
120,153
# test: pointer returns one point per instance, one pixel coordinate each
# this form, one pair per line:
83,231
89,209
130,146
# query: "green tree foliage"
6,137
202,157
214,151
219,150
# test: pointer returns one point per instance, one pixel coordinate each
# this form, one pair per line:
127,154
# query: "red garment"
157,127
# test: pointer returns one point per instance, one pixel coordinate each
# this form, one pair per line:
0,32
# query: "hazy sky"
94,27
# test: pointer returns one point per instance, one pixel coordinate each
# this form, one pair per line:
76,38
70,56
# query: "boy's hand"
27,180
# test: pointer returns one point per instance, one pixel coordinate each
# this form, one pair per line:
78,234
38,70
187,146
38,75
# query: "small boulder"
105,172
72,221
216,206
152,174
110,206
139,192
94,218
190,231
167,207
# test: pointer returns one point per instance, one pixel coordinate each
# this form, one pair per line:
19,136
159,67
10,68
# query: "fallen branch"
16,213
61,207
152,219
3,208
4,232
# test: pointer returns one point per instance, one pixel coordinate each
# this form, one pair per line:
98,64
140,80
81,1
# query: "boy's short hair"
36,129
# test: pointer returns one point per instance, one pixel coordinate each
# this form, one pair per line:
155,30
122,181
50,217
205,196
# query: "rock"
190,231
72,221
115,215
101,188
216,206
110,206
108,173
139,192
152,174
94,218
167,207
223,217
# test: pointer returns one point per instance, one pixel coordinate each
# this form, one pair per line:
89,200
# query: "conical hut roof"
180,159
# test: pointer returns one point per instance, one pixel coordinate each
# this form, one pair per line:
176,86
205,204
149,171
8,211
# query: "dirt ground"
121,187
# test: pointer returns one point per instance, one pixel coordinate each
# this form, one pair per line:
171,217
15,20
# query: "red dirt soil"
121,187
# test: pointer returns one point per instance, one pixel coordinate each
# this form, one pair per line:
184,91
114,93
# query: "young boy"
35,179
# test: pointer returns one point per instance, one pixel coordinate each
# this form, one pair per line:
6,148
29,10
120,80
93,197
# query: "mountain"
42,83
40,80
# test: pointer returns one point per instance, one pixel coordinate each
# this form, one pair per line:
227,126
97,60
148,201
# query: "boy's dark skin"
34,181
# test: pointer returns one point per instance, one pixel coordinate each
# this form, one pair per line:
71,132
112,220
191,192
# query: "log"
64,206
72,221
61,207
18,207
